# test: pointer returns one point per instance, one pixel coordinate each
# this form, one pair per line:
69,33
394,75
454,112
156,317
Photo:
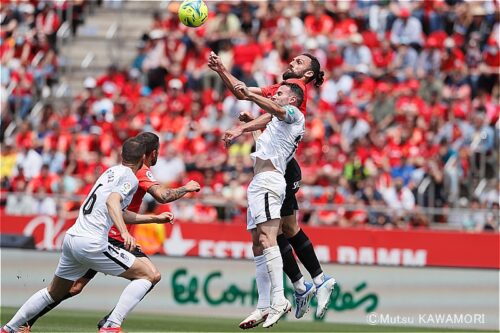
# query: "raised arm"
215,64
113,203
164,195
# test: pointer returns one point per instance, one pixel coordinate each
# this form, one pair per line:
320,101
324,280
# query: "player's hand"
231,135
245,117
128,241
242,89
166,217
192,186
214,62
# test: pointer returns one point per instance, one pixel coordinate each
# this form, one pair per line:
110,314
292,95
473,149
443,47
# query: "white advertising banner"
376,295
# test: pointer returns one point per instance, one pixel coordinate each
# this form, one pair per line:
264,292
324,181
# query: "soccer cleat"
254,319
302,301
103,321
276,312
323,293
110,330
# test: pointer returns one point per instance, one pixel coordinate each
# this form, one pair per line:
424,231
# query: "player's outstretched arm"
215,64
113,203
164,195
256,125
266,104
134,218
251,124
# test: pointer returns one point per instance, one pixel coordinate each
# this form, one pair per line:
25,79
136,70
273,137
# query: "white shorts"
79,254
265,195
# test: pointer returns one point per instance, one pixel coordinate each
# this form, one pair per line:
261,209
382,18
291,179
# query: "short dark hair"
318,76
297,91
150,141
132,151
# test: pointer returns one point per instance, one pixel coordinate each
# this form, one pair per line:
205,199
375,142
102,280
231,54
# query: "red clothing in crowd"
318,25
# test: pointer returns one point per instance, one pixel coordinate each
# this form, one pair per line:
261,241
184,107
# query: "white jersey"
281,138
94,220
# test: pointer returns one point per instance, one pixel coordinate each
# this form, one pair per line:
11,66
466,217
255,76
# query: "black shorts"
293,176
137,252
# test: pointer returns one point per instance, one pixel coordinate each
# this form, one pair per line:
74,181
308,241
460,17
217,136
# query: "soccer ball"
193,13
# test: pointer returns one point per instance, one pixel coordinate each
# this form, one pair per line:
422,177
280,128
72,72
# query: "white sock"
319,279
30,308
274,264
300,286
263,282
131,296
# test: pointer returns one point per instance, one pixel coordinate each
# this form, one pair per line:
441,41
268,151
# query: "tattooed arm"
165,195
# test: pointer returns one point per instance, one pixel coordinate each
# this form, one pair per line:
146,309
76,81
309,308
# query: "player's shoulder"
144,174
293,111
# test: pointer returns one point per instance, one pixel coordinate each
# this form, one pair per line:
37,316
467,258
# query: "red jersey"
269,91
146,180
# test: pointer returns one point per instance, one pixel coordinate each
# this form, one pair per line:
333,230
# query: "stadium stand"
404,133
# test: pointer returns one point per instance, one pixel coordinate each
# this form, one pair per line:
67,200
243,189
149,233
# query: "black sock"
305,251
47,309
290,266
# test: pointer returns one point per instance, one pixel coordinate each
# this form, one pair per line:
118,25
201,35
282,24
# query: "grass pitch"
61,320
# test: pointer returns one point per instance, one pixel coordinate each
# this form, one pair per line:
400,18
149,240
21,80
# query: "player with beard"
147,184
302,70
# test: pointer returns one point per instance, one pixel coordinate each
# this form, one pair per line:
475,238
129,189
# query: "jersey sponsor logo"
149,174
126,187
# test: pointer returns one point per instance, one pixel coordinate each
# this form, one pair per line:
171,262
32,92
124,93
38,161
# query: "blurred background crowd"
404,132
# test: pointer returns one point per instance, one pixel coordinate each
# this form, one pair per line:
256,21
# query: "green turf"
85,321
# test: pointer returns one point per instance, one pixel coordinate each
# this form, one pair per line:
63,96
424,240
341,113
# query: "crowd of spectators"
407,118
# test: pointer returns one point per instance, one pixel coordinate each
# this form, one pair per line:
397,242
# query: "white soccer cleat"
302,301
254,319
323,293
276,312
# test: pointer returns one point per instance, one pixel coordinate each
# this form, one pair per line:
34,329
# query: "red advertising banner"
335,245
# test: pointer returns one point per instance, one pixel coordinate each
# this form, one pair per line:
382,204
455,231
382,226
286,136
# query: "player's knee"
289,226
156,277
290,230
264,241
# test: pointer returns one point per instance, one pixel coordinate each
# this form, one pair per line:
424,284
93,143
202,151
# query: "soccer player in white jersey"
86,244
275,147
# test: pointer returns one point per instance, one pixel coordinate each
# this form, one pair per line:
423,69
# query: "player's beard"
291,75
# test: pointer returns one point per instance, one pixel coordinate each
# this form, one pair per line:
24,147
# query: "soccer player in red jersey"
147,184
302,70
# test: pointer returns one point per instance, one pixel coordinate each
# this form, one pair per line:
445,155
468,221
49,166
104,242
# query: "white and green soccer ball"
193,13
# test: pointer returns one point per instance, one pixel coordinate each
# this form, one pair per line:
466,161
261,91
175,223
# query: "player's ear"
309,75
